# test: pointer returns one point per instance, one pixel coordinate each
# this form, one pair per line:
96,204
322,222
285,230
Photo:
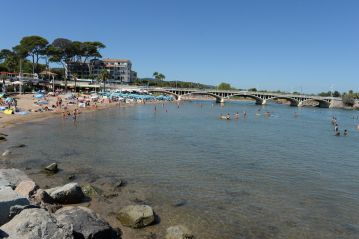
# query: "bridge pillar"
300,104
220,100
261,102
292,103
323,104
179,98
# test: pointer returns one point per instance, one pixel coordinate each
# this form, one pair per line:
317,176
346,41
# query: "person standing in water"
336,128
346,132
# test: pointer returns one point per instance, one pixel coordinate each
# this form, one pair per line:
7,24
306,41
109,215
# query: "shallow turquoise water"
276,177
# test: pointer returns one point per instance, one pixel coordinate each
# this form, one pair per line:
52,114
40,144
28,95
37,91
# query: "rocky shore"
27,211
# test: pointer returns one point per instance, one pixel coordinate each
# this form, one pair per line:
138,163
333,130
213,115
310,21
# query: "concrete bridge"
221,96
260,98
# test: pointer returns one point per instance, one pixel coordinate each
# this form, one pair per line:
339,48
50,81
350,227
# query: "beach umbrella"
9,99
38,96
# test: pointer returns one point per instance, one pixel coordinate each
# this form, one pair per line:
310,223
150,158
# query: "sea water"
280,176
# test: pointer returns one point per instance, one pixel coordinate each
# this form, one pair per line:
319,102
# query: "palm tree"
161,76
155,75
104,75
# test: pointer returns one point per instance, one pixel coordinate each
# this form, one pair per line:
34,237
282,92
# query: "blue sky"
269,44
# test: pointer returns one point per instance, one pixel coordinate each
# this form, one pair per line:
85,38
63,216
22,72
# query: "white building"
120,70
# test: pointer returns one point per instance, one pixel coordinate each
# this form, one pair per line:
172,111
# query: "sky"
289,45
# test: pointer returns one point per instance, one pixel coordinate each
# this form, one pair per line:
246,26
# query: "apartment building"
120,70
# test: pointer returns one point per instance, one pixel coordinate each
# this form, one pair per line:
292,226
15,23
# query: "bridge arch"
218,98
165,92
259,101
322,103
293,102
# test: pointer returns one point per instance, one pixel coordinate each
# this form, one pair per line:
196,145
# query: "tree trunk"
66,73
75,85
33,64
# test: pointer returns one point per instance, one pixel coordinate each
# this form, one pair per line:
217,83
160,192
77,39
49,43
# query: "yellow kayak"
8,112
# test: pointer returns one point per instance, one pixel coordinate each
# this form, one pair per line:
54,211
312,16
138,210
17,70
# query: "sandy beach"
26,102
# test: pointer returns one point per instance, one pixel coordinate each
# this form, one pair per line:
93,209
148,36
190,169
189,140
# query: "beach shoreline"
25,101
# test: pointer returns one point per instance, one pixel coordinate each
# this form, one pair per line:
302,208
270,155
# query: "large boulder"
86,223
26,188
178,232
9,198
136,216
14,210
12,177
41,197
68,194
36,224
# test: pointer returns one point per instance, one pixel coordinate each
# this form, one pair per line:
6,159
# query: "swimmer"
346,132
236,115
267,114
336,128
244,114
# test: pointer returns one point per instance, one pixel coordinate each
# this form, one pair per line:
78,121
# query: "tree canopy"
159,76
224,86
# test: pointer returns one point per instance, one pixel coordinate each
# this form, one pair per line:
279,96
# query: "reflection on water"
276,177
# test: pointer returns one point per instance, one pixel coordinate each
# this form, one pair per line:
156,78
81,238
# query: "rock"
9,198
2,138
26,188
110,195
50,190
179,203
52,208
41,197
17,146
52,168
86,223
36,224
68,194
178,232
71,177
12,177
6,153
14,210
90,190
119,183
136,216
